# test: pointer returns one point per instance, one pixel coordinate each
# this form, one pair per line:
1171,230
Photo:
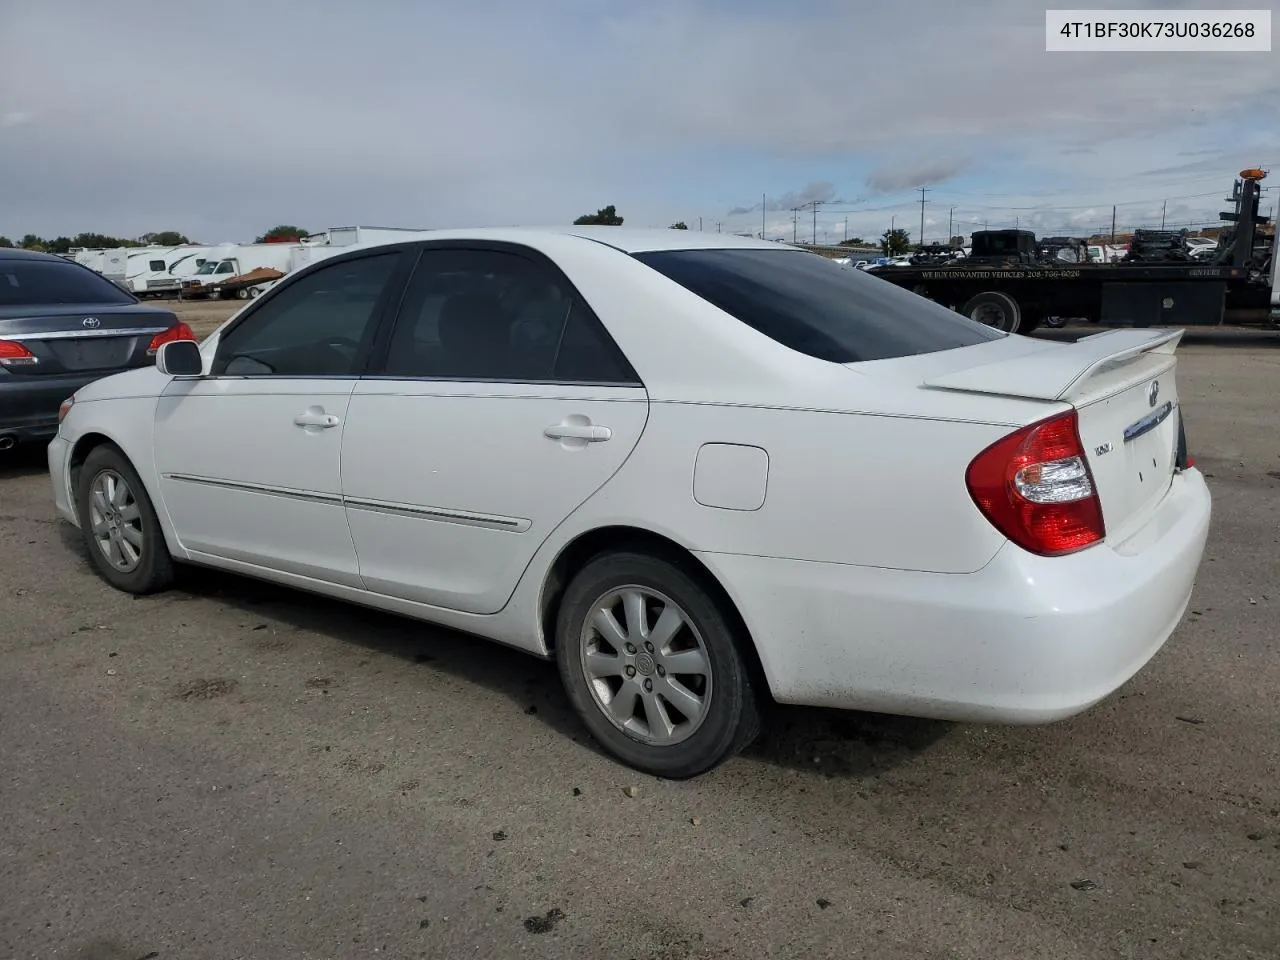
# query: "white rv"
167,279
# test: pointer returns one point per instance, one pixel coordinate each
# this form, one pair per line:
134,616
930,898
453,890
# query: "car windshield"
844,315
38,282
207,267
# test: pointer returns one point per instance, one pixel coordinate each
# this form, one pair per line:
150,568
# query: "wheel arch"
583,548
85,445
94,438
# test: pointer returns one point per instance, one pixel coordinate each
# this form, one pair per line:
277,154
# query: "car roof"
626,239
17,253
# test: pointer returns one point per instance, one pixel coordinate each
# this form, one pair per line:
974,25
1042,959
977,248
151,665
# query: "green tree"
895,242
679,225
284,233
165,238
32,242
59,245
853,242
101,241
6,243
605,216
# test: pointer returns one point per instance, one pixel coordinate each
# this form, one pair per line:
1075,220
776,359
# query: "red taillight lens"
1036,488
14,354
65,407
179,331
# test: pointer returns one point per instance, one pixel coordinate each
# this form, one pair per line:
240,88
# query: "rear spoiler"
1060,370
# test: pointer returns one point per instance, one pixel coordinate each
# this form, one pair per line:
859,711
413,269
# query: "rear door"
500,406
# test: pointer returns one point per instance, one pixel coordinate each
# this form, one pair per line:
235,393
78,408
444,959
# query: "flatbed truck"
1008,282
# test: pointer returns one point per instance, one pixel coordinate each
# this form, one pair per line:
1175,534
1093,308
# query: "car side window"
497,315
317,326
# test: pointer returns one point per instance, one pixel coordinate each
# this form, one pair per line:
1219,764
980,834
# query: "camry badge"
93,323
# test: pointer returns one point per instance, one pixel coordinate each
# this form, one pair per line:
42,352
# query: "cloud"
891,180
377,113
820,192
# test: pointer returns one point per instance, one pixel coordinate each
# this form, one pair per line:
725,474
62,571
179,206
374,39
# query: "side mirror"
180,358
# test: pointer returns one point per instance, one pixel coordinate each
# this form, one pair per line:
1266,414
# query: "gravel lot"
236,770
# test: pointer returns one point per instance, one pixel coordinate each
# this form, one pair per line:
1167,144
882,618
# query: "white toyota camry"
697,470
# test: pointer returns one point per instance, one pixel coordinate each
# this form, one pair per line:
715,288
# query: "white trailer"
181,263
346,236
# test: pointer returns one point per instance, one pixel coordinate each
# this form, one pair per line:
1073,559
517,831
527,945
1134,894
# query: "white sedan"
697,470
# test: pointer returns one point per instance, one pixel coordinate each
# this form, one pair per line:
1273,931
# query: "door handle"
590,432
314,419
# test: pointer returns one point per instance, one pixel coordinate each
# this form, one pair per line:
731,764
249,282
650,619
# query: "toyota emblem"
1153,393
93,323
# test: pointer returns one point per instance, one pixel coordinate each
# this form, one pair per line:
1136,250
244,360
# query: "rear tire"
651,662
119,524
995,309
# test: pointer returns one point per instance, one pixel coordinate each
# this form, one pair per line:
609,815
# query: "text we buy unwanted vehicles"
240,272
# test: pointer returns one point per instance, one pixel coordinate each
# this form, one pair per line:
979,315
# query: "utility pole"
846,228
951,225
699,224
1163,205
815,222
922,193
1113,225
717,226
764,205
795,222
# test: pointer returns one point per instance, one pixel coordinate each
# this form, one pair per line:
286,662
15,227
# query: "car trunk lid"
82,338
1123,385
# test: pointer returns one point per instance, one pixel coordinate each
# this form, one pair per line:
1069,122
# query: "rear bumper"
29,405
1026,639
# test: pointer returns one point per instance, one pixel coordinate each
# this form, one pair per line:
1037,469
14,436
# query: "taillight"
14,354
65,407
179,331
1036,488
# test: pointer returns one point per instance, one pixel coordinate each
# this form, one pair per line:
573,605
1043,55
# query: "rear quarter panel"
854,488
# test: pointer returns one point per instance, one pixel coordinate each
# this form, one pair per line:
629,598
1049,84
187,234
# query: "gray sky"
220,120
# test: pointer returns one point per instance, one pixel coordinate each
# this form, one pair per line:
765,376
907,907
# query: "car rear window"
36,282
807,303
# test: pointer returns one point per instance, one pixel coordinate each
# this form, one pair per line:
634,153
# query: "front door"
502,404
249,456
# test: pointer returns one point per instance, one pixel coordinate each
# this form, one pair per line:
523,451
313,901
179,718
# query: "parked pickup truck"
240,273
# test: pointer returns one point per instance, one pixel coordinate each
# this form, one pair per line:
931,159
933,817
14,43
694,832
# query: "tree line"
165,238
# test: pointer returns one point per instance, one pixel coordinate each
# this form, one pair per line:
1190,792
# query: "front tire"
119,524
651,662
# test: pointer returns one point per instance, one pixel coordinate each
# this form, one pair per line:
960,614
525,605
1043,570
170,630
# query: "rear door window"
41,282
807,303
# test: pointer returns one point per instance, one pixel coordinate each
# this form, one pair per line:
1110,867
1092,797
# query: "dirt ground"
236,770
203,316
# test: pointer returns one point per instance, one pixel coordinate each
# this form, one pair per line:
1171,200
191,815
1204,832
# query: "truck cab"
210,273
1275,278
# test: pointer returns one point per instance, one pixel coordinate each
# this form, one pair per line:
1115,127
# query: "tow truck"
1015,282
